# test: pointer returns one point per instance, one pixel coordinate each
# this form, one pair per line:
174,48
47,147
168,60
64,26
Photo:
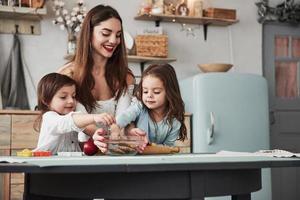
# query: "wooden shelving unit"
205,21
143,60
186,19
23,12
25,20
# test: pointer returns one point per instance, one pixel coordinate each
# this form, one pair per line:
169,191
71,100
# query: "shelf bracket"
142,67
205,26
157,23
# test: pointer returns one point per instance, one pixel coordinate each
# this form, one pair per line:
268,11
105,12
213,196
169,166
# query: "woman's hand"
139,132
104,118
99,140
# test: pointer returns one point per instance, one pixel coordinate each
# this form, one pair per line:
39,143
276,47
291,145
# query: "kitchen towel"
13,87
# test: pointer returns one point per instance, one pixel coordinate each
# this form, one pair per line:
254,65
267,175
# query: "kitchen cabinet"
205,21
4,177
16,134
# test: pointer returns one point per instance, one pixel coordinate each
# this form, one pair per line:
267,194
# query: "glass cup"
104,127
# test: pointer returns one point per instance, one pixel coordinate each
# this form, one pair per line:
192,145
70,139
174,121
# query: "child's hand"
139,132
104,118
99,140
115,131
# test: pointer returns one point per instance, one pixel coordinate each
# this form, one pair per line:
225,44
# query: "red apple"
89,148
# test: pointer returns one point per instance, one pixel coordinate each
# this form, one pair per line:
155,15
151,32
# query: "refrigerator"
229,112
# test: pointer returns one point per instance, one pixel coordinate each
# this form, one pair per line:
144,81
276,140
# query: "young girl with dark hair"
58,124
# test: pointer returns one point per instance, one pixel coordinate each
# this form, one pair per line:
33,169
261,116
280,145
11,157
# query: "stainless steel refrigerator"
229,112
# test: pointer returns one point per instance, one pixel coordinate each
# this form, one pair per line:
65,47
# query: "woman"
100,68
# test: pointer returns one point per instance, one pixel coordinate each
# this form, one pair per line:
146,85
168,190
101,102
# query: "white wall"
240,43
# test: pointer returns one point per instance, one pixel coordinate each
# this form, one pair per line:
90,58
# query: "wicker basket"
152,45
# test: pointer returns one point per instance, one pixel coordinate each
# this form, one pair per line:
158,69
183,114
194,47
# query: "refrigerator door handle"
272,117
211,129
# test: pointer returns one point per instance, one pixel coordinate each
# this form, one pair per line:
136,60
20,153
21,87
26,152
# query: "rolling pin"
160,149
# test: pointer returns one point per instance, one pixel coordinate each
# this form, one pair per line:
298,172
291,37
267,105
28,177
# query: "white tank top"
110,106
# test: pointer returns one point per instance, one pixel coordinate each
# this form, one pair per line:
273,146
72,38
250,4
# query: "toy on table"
69,154
25,153
41,153
30,153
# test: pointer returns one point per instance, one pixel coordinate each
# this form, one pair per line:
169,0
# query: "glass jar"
71,44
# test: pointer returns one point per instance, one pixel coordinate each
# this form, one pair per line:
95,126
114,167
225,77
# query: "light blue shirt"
161,133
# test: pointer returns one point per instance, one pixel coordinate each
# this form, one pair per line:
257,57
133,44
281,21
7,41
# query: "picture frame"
170,6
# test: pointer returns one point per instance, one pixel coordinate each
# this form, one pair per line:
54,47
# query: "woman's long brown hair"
175,104
116,69
47,88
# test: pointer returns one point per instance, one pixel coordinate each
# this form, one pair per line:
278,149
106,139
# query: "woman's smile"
109,48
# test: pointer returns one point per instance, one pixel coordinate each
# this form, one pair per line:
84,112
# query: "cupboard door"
4,179
281,66
185,146
5,129
17,186
23,133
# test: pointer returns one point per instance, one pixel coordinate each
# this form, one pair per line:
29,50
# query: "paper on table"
269,153
278,153
68,154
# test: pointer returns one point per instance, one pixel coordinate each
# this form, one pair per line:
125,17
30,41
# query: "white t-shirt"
58,133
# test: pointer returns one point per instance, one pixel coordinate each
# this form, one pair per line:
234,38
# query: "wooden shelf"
143,60
22,12
139,59
205,21
187,20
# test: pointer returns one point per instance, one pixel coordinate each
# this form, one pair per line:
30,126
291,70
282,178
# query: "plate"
128,40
